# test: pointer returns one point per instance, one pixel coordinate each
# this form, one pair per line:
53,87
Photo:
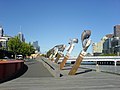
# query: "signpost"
85,44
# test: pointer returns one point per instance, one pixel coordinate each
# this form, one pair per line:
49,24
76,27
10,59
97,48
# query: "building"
107,47
116,45
116,40
21,37
1,31
98,47
3,39
117,31
36,46
112,44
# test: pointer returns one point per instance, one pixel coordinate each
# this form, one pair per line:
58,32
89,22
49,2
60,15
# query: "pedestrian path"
38,78
86,81
36,69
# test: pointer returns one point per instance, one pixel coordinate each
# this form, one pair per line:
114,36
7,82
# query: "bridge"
97,59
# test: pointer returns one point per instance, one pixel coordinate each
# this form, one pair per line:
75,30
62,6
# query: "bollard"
97,68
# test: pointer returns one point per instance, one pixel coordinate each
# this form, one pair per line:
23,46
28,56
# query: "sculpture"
61,48
58,49
71,47
85,44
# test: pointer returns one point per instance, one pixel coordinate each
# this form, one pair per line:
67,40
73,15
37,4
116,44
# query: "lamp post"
85,44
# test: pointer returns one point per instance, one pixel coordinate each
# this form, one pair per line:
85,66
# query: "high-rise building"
117,31
1,31
21,37
116,45
116,40
112,44
36,46
107,45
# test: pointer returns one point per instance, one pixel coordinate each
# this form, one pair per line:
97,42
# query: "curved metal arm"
74,40
85,39
71,47
61,48
85,44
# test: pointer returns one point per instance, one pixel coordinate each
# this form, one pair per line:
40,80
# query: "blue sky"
53,22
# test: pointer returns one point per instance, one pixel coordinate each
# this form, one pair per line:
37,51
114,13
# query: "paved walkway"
84,80
105,68
36,69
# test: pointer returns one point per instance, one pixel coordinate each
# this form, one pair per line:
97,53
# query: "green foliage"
14,44
44,55
1,53
109,54
18,47
2,48
26,49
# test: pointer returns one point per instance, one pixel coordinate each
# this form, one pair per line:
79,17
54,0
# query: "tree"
26,49
31,50
14,45
18,47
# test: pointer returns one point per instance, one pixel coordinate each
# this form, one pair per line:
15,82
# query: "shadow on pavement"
16,75
86,71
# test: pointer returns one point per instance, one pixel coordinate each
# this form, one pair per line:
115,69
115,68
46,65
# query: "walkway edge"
52,67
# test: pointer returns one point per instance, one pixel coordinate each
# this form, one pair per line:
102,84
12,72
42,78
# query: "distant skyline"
53,22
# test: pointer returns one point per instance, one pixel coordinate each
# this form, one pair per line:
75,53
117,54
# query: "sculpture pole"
61,48
58,57
54,53
62,64
85,44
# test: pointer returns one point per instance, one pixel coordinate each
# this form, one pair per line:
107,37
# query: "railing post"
115,62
